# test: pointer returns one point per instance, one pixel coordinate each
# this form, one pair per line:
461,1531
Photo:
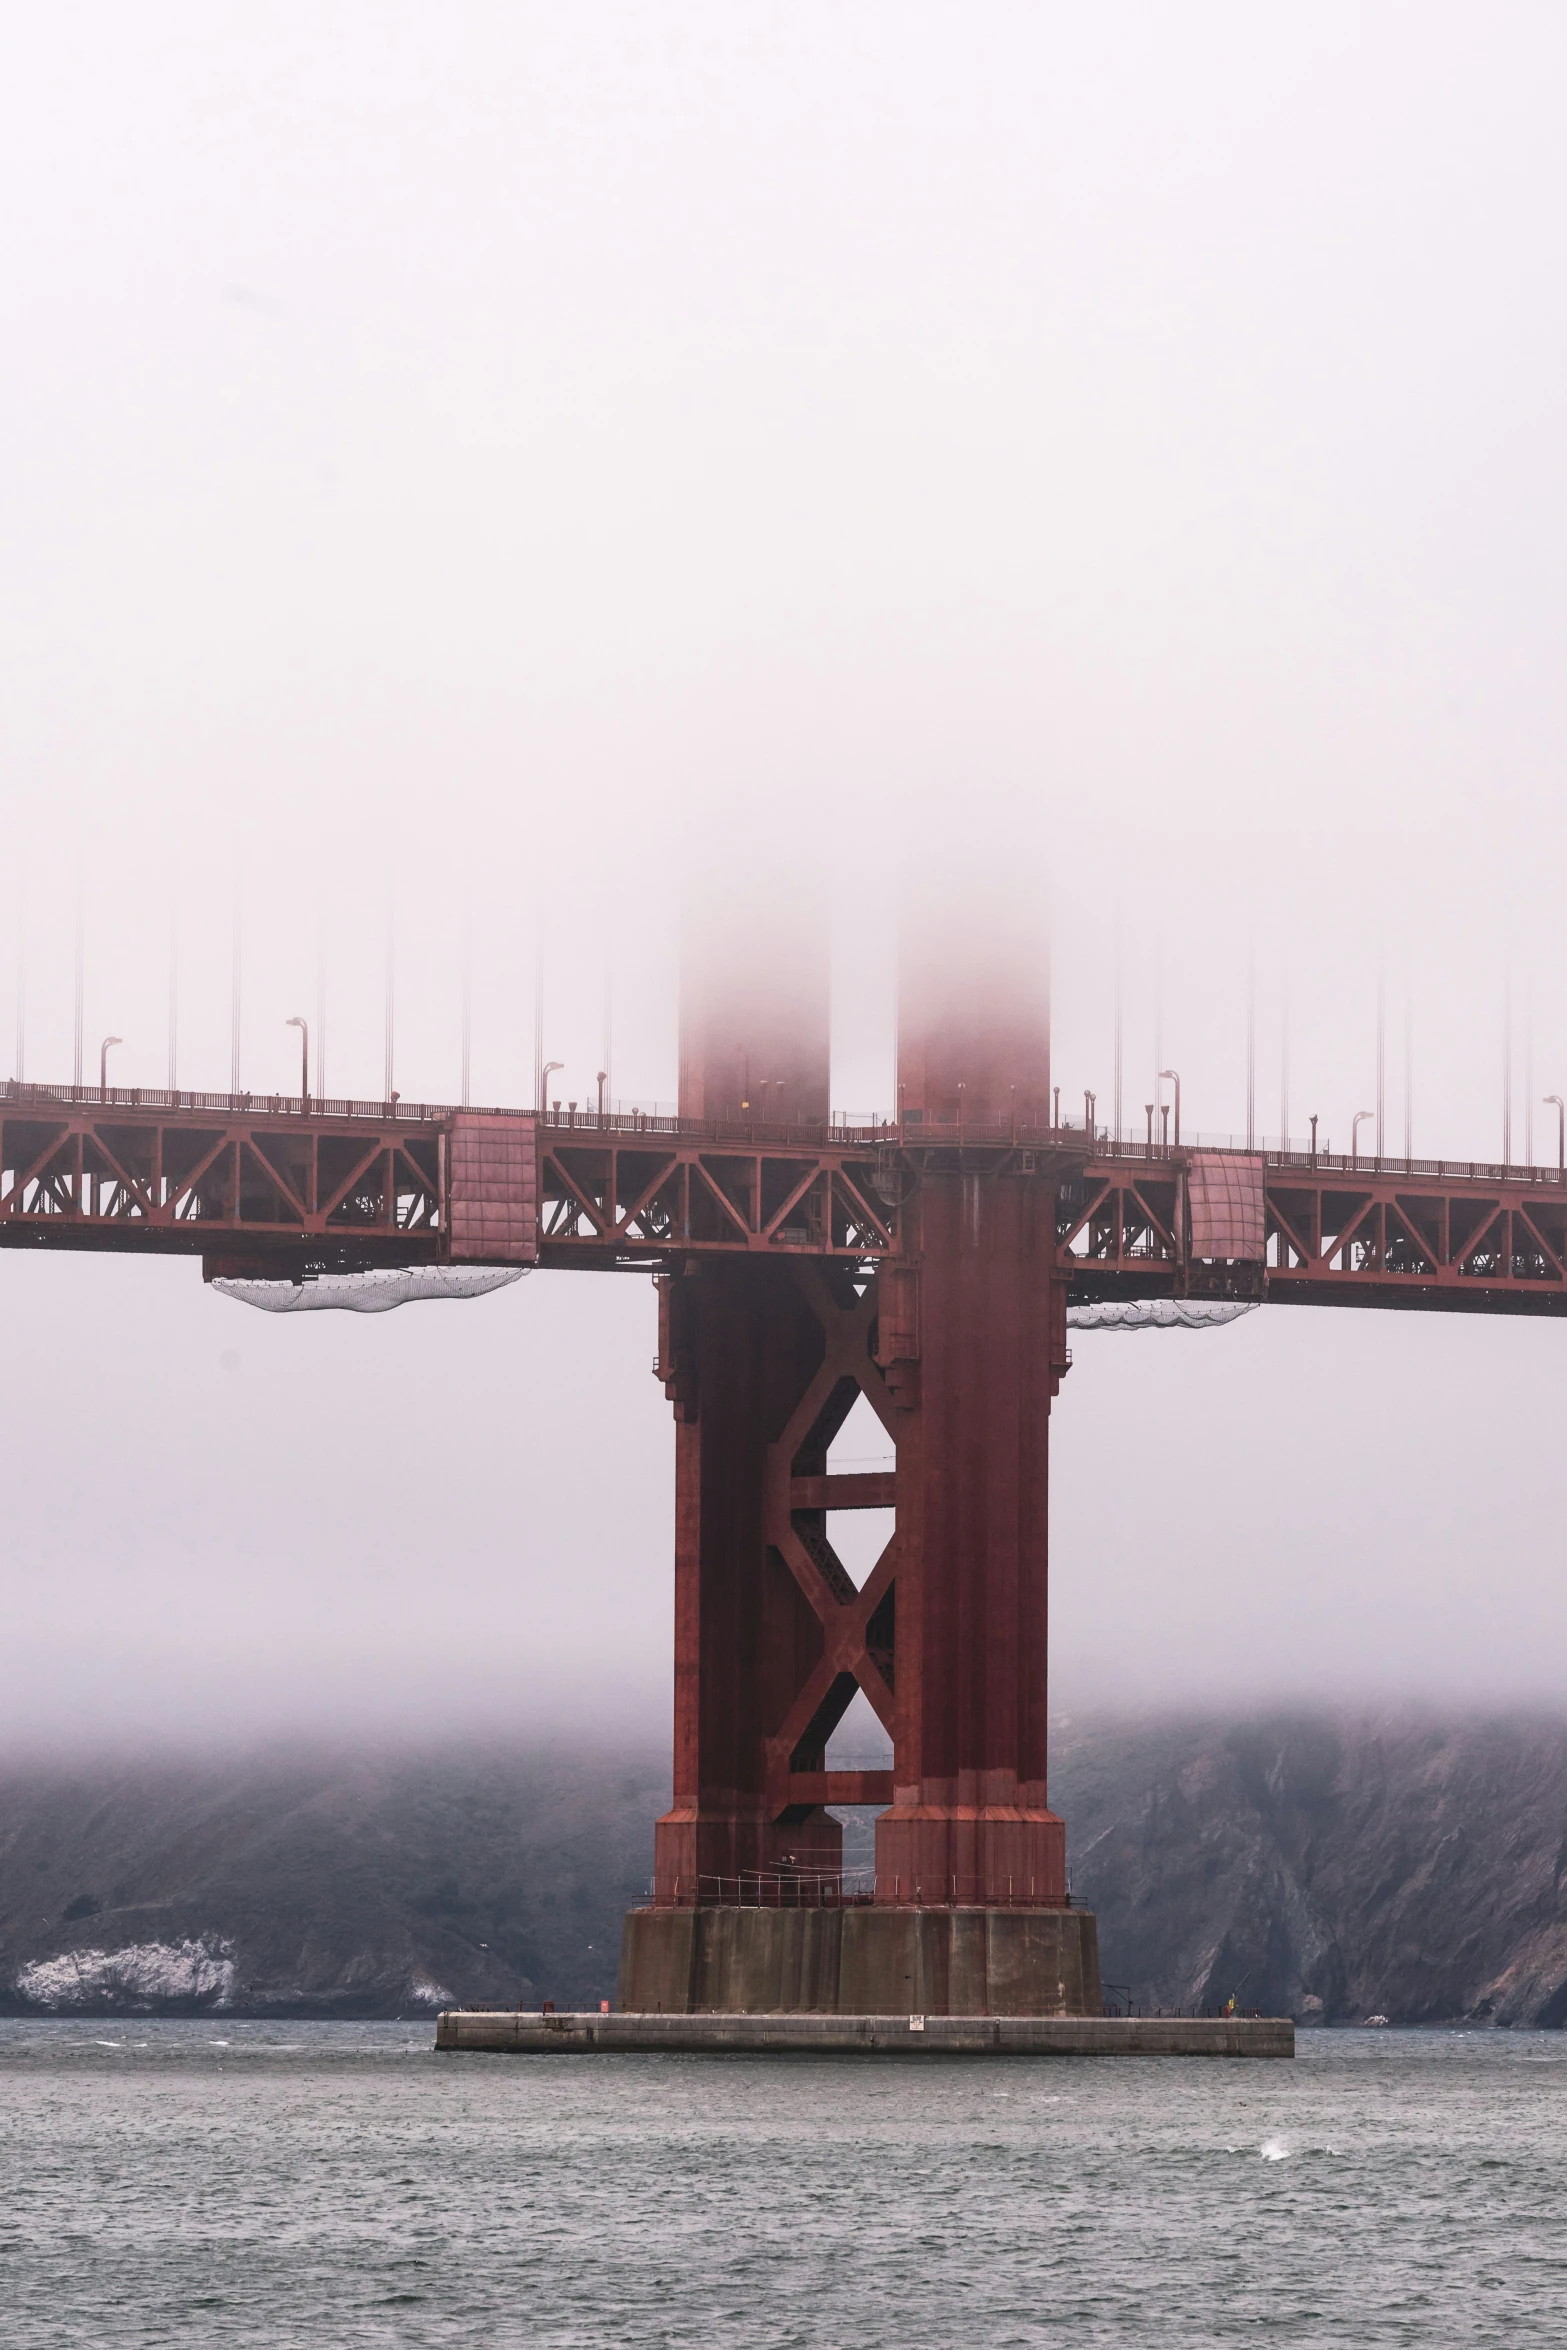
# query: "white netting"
374,1292
1161,1313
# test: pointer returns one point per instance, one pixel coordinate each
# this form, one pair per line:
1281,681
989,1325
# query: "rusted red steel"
1430,1235
255,1178
955,1333
122,1174
255,1181
763,1362
763,1353
699,1193
973,1337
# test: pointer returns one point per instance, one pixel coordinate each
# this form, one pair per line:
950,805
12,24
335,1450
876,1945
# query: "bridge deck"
268,1184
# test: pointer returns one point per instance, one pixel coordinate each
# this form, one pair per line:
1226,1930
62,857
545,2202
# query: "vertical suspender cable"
1381,1051
1507,1065
1119,1008
174,994
1528,1065
21,977
321,999
1251,1041
467,997
235,982
1284,1056
538,1011
1158,1013
77,991
391,997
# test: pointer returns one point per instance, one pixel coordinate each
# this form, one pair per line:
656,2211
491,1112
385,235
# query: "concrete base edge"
858,1961
526,2034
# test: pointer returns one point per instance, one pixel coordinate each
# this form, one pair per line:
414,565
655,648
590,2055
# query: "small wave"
1274,2150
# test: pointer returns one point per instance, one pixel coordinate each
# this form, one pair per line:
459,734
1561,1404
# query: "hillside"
1338,1866
1328,1866
322,1884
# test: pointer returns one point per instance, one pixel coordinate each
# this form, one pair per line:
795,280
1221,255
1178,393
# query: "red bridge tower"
957,1340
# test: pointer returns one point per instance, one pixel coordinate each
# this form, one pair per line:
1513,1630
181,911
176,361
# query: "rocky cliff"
1325,1866
322,1884
1330,1866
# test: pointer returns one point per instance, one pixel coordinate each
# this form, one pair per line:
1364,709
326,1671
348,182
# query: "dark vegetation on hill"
321,1884
1407,1865
1327,1866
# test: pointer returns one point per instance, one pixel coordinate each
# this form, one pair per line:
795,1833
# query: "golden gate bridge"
928,1262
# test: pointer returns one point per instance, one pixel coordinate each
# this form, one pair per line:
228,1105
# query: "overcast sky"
463,463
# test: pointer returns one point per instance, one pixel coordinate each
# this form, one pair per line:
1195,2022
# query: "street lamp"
1354,1135
1561,1135
103,1065
1174,1076
545,1074
304,1058
603,1080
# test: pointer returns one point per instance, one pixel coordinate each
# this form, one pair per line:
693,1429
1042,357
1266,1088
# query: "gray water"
342,2185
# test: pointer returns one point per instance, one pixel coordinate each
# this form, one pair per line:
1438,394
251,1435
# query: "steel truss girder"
1366,1236
255,1181
90,1175
691,1195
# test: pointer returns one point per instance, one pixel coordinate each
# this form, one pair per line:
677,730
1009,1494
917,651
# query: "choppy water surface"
341,2185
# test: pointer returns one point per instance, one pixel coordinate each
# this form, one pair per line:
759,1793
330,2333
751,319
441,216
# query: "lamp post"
1314,1115
545,1074
1174,1075
1354,1135
1090,1122
103,1065
1560,1108
603,1080
1148,1107
304,1058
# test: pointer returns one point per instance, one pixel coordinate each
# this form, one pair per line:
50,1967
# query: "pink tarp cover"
1229,1220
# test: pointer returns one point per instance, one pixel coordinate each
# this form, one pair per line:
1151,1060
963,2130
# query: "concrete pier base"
860,1962
524,2034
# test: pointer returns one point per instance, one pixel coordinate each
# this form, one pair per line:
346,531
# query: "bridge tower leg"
738,1347
973,1337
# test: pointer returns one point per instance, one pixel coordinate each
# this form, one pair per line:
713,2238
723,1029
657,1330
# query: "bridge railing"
1360,1164
626,1123
842,1889
631,1123
230,1105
